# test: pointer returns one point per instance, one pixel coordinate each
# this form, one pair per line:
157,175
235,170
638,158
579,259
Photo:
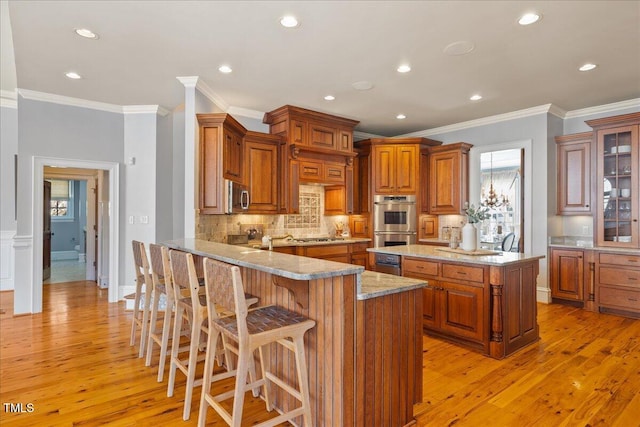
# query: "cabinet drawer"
333,173
325,251
463,272
619,277
359,247
620,259
414,266
620,298
311,171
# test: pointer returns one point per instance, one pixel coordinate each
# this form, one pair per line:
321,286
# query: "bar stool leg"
145,320
152,326
136,311
166,330
212,343
241,381
303,378
194,345
175,346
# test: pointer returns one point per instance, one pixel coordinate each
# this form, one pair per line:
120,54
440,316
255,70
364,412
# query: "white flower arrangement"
475,215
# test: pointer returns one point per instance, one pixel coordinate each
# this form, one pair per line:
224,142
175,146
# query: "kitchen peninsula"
364,354
486,300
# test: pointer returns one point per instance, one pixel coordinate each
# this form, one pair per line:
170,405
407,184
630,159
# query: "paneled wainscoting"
74,365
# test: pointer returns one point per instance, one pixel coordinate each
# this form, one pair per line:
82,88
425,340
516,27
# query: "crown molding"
246,112
66,100
8,98
188,81
359,136
211,95
606,108
144,109
541,109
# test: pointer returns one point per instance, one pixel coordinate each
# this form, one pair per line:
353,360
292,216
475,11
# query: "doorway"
73,213
108,217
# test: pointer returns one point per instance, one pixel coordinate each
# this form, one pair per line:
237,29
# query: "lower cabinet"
456,309
567,274
349,253
618,283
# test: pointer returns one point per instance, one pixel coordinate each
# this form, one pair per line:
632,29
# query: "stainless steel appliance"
394,213
381,238
236,197
390,264
394,220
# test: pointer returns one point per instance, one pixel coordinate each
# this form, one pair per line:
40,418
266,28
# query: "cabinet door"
359,226
618,187
574,177
361,184
406,168
322,136
232,155
361,259
384,169
428,227
345,140
461,311
335,200
444,183
210,178
298,132
261,176
311,171
334,172
430,305
567,274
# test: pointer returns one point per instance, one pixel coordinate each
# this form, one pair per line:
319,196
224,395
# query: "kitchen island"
485,300
364,354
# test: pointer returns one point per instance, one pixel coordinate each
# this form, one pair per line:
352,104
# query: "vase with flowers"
469,231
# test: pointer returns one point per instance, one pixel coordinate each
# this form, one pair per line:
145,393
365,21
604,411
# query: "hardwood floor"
73,363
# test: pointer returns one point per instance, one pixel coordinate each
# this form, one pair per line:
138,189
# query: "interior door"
46,235
91,237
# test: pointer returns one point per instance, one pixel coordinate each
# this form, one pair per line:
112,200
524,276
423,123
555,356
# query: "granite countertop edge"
432,252
374,285
285,265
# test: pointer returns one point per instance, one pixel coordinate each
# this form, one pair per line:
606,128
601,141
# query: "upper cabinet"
395,169
220,158
261,162
448,178
574,174
617,160
318,149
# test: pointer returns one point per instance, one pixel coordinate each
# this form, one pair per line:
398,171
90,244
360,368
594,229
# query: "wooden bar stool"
251,329
193,310
162,285
143,291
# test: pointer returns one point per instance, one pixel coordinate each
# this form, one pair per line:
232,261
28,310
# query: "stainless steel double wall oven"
394,220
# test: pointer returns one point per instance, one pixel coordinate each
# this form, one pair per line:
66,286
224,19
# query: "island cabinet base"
364,357
388,359
489,308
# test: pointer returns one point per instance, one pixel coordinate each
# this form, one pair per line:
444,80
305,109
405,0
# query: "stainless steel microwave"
236,197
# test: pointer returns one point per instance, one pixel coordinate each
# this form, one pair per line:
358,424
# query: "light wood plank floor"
73,362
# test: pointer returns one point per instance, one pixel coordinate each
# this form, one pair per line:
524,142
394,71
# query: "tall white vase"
469,237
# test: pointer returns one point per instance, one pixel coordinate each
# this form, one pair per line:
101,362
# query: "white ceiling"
145,45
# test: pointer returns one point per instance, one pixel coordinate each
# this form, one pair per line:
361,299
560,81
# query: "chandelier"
492,200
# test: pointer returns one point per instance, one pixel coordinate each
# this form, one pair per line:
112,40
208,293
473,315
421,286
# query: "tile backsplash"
311,222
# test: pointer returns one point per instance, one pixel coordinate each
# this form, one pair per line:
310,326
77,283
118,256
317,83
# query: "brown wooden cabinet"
448,178
395,169
618,283
567,274
359,226
318,149
261,155
574,174
220,157
361,182
617,152
428,227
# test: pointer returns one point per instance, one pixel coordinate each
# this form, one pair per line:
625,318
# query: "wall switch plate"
144,219
585,230
132,219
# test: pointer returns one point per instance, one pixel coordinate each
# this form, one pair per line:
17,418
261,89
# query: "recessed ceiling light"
461,47
362,85
225,69
73,75
86,33
401,117
329,98
289,21
587,67
476,97
529,18
404,68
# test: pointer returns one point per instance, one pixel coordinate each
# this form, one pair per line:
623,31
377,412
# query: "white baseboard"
63,255
543,295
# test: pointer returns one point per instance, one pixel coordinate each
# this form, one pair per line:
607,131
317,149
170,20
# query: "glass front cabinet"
618,180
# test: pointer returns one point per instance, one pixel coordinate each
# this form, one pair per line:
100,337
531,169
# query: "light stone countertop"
285,242
379,284
285,265
434,252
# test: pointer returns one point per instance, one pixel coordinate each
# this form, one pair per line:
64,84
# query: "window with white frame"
61,205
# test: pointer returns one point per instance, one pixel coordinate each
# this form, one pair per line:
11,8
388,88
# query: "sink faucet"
271,239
